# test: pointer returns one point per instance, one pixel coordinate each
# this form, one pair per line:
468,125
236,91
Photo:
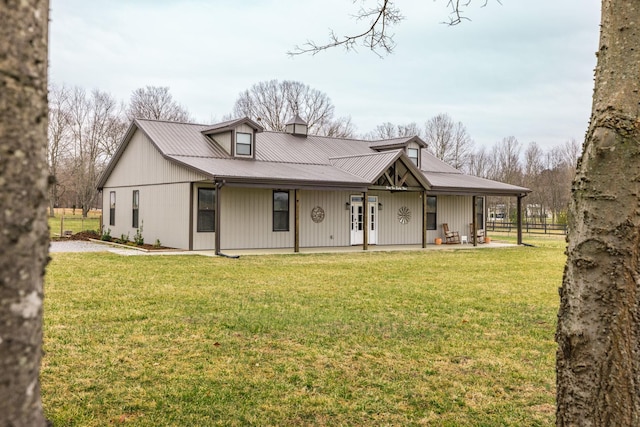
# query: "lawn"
66,220
446,338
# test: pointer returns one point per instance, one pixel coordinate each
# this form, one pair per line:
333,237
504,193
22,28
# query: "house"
235,186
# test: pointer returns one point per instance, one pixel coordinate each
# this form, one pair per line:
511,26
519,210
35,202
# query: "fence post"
62,225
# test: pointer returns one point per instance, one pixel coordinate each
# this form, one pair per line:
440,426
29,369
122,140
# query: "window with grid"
280,211
112,208
243,144
135,203
432,205
206,210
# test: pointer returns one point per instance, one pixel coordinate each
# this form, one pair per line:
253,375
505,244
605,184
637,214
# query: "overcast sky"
523,68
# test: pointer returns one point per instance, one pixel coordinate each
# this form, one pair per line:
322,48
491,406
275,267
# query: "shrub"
138,238
106,235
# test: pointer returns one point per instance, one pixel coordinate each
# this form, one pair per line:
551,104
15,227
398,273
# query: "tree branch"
376,36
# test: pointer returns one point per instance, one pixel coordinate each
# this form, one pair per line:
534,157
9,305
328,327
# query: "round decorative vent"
317,214
404,215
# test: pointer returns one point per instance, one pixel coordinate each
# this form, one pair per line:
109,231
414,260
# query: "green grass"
446,338
73,223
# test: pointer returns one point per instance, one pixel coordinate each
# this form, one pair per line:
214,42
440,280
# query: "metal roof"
230,124
180,138
366,166
296,120
397,142
314,160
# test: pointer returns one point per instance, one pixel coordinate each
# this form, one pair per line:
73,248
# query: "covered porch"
351,249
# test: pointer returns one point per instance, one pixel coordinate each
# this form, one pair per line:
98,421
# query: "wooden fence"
527,227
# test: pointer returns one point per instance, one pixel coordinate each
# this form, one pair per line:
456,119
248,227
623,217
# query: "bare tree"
507,161
341,127
533,169
95,123
448,140
156,103
273,103
388,130
559,173
480,163
24,237
571,152
59,139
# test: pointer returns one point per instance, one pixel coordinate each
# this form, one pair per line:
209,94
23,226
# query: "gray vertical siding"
163,213
334,229
164,190
390,230
247,219
456,211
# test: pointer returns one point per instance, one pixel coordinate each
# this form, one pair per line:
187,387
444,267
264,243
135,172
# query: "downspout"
219,185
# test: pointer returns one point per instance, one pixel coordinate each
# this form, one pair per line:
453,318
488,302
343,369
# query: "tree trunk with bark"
24,238
598,335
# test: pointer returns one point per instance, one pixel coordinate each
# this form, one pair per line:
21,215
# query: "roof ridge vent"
297,126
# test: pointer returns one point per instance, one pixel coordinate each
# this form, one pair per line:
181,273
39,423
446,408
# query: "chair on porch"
450,236
479,233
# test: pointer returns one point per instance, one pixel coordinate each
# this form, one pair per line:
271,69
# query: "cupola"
296,126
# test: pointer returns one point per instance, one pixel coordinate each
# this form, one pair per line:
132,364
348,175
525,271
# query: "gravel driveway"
76,246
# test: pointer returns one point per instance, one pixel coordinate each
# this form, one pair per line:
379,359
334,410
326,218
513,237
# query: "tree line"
85,129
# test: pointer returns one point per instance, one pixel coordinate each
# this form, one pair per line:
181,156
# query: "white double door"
357,220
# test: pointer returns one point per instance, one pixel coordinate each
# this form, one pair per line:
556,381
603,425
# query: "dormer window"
244,144
413,154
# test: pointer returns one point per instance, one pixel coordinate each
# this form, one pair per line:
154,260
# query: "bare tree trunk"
23,223
598,358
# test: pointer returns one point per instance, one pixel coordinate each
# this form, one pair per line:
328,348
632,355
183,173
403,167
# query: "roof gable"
394,143
231,125
390,169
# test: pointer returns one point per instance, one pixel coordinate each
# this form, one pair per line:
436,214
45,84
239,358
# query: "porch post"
474,226
191,203
424,219
365,221
296,245
519,219
218,215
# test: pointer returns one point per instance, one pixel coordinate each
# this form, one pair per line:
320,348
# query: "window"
206,210
243,144
413,155
280,211
432,204
112,208
135,204
480,212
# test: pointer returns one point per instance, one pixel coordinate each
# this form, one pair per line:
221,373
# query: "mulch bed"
89,235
